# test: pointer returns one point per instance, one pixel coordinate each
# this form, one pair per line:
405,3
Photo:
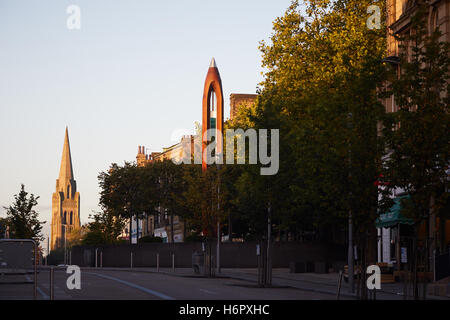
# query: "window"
212,108
71,215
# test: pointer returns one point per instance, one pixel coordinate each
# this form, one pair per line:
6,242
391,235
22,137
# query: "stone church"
65,201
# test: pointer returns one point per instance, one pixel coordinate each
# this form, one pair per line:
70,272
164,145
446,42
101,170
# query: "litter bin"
197,262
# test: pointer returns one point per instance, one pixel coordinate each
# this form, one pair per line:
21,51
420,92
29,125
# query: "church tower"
65,201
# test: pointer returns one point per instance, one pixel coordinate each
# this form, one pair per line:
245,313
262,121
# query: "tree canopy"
23,219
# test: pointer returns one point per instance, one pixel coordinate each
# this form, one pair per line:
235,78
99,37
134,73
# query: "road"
128,285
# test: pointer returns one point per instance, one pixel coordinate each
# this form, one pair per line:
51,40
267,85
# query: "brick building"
238,100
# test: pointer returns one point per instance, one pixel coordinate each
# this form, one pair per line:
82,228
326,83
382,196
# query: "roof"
66,170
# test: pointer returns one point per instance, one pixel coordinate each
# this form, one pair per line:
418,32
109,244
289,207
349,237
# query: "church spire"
66,172
65,201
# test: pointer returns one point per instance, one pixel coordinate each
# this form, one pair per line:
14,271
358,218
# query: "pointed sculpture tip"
213,63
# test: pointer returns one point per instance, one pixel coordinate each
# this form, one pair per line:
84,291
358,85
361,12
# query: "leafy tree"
123,192
75,236
3,227
105,229
320,89
169,187
23,219
201,198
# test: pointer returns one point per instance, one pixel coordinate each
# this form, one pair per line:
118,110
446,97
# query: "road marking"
46,297
207,291
152,292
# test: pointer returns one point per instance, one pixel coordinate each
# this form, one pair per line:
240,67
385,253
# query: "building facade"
394,240
65,200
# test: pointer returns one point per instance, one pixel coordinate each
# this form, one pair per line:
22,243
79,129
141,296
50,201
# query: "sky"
132,75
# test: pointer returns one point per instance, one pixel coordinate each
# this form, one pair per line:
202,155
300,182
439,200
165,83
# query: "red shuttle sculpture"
212,109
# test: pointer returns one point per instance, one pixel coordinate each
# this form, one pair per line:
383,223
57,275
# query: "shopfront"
395,235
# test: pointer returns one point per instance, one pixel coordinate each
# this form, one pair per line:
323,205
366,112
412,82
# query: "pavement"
184,284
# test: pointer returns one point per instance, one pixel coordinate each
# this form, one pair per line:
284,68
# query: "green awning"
393,217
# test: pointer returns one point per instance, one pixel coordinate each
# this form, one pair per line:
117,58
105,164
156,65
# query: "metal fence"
18,260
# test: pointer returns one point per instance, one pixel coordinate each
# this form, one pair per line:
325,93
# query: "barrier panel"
442,266
18,260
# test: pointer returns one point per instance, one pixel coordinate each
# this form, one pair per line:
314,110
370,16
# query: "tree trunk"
137,229
171,227
442,223
230,228
364,268
415,286
432,234
131,228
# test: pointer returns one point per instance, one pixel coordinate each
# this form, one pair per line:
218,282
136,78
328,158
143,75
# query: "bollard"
101,259
157,262
96,249
173,262
339,285
52,282
374,294
405,286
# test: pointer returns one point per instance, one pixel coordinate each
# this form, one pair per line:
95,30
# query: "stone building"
393,243
399,13
65,200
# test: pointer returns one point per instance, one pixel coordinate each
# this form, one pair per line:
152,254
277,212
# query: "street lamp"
351,259
218,214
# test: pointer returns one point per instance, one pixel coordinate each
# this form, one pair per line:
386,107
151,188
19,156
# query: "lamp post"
65,244
269,239
48,251
218,214
350,257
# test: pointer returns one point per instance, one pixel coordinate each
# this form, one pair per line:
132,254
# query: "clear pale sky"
132,75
